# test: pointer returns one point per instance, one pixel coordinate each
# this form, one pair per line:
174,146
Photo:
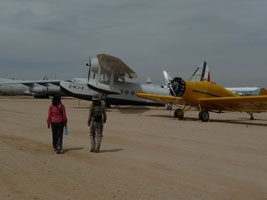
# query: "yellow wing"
160,98
242,103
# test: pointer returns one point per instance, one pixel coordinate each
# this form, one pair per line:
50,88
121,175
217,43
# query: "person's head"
96,97
56,100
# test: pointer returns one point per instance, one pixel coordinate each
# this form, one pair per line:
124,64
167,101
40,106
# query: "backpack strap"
61,111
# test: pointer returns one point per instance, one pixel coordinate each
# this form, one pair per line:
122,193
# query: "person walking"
58,119
96,120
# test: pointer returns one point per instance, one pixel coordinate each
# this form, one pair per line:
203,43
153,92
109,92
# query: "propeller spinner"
177,87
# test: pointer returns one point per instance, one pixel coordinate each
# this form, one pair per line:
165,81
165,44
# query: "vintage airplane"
207,96
37,88
202,73
107,75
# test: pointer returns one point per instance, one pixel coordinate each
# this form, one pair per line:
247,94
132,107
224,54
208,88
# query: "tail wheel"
179,113
204,115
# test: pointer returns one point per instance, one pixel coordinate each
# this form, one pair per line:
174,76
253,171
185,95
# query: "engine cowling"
39,89
177,87
53,90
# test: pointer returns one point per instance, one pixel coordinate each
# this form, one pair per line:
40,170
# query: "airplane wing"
160,98
109,63
30,83
242,103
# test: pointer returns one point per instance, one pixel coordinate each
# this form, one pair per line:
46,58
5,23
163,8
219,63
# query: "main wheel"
204,115
179,113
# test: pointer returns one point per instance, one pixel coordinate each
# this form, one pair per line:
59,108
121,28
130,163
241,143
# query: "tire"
204,115
179,113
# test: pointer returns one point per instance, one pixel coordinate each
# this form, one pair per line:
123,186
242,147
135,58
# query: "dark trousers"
57,134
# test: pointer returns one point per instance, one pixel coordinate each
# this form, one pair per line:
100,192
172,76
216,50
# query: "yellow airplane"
207,97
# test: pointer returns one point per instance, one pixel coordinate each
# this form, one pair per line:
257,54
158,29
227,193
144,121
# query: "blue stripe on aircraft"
197,91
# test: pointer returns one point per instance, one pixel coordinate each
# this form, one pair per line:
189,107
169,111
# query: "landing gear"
251,116
169,106
179,113
104,97
204,115
107,104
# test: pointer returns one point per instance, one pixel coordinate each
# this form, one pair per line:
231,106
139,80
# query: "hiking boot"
58,151
92,150
97,151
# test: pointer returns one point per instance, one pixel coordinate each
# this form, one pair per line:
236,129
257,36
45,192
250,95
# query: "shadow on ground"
240,121
71,149
132,109
110,150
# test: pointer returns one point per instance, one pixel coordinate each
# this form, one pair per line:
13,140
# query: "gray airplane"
37,88
107,75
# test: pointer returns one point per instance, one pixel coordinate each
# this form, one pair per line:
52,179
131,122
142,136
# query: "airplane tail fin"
202,73
262,91
167,77
148,81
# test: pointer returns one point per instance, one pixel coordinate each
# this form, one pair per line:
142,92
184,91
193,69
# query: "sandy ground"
146,154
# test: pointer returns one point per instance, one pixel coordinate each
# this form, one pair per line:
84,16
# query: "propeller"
89,64
177,87
167,77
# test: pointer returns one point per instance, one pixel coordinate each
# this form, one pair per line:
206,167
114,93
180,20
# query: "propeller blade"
89,72
166,77
89,65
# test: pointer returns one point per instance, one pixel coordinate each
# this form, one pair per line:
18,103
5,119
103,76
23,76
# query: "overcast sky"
55,38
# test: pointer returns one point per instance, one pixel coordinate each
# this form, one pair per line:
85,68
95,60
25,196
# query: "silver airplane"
107,75
37,88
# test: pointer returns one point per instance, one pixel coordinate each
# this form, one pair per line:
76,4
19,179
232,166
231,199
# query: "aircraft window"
126,92
132,93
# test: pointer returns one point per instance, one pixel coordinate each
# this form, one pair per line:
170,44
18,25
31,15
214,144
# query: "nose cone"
177,87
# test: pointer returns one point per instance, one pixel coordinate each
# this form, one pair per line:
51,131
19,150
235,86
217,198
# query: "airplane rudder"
262,91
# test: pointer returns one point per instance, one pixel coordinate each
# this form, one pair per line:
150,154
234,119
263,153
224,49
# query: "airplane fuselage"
127,92
196,90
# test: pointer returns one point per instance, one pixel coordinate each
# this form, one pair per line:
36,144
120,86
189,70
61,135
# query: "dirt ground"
146,154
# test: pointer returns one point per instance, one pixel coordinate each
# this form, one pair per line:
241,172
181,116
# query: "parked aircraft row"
108,74
37,88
